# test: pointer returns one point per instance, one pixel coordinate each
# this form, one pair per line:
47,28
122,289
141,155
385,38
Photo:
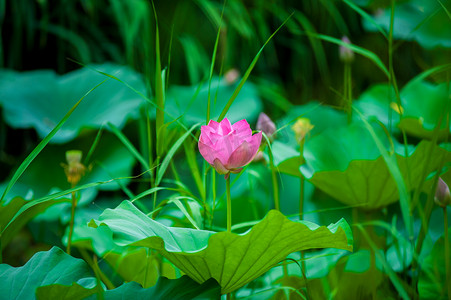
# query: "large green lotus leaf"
174,289
127,262
424,105
44,268
432,283
375,102
41,98
286,158
190,102
285,148
346,164
232,259
423,21
321,117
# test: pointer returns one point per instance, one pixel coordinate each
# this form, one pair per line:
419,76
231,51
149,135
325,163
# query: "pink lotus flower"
228,147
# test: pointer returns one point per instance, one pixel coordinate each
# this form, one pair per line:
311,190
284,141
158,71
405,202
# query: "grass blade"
213,59
362,51
164,165
248,72
366,16
128,145
24,165
392,165
159,89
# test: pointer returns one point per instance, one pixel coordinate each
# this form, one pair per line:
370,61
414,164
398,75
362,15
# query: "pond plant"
130,167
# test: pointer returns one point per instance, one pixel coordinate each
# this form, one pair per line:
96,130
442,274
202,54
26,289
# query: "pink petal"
255,141
225,127
224,147
209,137
242,129
219,167
213,125
241,156
207,152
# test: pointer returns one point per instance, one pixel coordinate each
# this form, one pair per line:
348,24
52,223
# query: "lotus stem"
447,254
229,215
348,90
301,181
275,185
229,206
71,225
1,251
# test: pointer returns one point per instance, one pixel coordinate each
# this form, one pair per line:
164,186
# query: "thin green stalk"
1,251
95,267
301,203
72,218
447,253
275,185
159,91
301,181
229,215
213,190
149,144
348,90
229,206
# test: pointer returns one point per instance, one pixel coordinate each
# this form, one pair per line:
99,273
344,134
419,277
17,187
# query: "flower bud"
398,108
231,76
301,128
74,169
442,194
228,148
346,54
265,124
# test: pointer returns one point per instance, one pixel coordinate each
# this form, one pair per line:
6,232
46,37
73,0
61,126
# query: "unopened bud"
265,124
442,194
398,108
301,128
346,54
74,169
231,76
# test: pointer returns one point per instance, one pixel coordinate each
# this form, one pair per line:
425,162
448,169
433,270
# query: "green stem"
348,90
275,185
301,203
229,215
301,180
95,267
447,254
229,206
1,250
71,225
213,190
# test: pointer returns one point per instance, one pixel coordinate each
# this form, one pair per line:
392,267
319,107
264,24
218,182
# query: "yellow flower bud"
301,128
74,169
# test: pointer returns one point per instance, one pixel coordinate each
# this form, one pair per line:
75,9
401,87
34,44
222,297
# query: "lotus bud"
442,194
346,54
231,76
398,108
228,148
265,124
74,169
301,128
